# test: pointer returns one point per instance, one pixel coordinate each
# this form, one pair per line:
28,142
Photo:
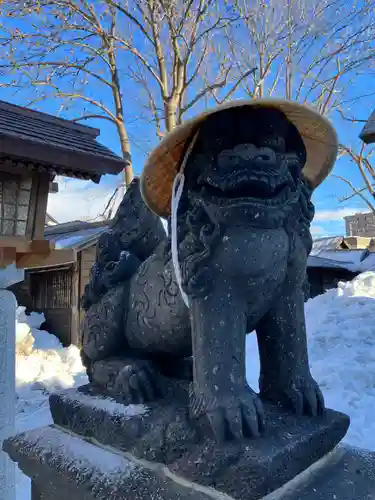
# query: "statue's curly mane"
198,236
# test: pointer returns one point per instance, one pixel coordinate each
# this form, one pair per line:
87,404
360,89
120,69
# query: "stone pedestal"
8,305
7,387
100,449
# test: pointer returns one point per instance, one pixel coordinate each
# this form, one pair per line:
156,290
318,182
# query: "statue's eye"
227,159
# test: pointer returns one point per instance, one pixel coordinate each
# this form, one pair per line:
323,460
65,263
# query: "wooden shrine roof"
38,141
368,133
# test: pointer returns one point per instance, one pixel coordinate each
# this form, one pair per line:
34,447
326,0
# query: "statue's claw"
236,416
302,395
137,383
241,417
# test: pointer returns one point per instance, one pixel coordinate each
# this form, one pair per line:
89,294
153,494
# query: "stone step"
66,467
163,433
349,474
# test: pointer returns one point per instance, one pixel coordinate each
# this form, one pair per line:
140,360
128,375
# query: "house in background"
35,148
336,259
360,224
56,291
343,258
342,243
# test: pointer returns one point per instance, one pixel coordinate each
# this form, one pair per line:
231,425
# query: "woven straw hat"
164,162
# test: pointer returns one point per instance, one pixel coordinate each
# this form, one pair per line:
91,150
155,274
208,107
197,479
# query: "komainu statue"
235,186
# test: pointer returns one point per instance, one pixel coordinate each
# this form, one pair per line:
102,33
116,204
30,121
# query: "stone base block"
348,474
162,433
65,467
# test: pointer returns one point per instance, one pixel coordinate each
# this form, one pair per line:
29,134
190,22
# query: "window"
51,289
14,204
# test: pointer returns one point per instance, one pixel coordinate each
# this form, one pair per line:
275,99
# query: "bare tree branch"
91,117
64,49
356,192
305,49
350,119
158,61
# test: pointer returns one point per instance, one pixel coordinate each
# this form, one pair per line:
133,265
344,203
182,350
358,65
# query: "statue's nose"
266,156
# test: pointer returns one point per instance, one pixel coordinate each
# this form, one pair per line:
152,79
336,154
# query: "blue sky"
329,211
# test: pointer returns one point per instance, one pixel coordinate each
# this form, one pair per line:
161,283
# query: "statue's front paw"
137,383
232,416
301,394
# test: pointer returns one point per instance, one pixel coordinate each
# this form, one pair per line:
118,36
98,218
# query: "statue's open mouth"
270,188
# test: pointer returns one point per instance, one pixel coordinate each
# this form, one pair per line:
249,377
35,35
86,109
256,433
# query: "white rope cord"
178,187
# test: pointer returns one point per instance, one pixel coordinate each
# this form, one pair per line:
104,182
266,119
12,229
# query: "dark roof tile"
53,142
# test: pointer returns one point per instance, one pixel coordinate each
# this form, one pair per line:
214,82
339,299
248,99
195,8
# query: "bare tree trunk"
262,74
125,148
117,97
170,115
288,65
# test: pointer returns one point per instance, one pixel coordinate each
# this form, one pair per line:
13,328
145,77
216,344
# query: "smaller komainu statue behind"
235,184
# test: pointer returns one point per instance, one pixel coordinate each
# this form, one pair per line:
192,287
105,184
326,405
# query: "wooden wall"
51,292
323,279
57,293
40,292
86,260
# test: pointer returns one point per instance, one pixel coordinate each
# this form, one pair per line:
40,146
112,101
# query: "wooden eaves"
36,142
44,143
368,132
37,253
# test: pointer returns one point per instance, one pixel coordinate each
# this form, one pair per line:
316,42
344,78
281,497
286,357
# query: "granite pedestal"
99,448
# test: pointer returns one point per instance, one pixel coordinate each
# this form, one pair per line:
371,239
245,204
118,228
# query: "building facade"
56,291
360,225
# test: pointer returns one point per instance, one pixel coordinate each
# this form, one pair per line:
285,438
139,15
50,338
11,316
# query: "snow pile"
42,366
341,327
341,335
45,366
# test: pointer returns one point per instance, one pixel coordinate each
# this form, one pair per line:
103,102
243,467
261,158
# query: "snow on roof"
356,261
331,242
332,252
83,235
50,221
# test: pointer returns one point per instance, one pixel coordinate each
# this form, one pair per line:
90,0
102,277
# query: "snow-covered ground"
341,334
42,366
341,330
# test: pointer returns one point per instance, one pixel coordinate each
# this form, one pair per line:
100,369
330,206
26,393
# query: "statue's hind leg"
111,365
134,235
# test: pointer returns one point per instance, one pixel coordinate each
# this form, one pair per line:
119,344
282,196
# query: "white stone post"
8,306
